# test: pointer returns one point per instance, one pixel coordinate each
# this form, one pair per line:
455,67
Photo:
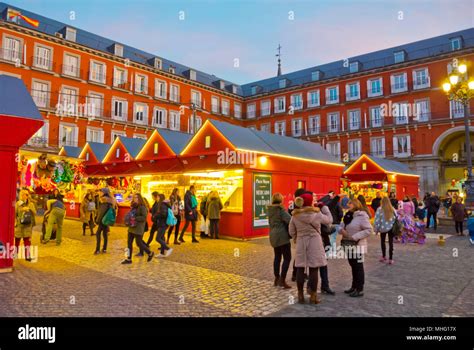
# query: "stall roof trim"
264,142
15,100
133,145
389,166
72,151
99,149
175,139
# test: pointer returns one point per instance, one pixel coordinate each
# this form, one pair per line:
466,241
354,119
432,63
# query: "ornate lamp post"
460,88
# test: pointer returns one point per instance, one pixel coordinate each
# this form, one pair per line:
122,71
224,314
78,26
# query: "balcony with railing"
96,77
71,71
43,63
399,87
38,141
120,84
14,56
378,153
354,125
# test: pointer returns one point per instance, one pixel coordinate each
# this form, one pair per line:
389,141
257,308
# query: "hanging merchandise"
79,171
44,167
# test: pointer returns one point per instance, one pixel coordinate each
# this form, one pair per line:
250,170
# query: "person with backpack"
202,210
213,212
25,211
107,205
175,202
154,213
384,222
162,223
135,221
88,213
278,220
432,205
190,214
56,211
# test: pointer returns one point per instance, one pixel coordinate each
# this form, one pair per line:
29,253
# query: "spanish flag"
14,14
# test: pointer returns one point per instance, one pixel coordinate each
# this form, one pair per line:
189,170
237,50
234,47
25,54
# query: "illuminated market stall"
245,166
369,175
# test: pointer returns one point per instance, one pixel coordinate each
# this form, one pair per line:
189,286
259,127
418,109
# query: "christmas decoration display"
63,173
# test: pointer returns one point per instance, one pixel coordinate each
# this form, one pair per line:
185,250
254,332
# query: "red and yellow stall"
369,175
245,166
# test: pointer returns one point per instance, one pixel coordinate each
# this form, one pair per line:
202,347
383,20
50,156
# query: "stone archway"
442,138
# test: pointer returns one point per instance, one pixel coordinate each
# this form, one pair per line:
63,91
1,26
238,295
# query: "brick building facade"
387,103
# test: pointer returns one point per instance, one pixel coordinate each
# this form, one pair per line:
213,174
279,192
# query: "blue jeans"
160,238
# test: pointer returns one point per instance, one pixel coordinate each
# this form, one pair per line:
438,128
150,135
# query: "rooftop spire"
279,60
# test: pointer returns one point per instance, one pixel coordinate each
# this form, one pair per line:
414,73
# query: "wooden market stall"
245,166
369,175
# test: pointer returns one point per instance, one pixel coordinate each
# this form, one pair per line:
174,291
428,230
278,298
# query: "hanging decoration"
44,167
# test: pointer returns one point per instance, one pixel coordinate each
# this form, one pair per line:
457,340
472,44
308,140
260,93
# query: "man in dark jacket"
202,210
432,205
327,198
376,202
154,212
190,214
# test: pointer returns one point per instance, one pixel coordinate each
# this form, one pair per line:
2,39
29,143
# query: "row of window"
68,135
138,83
401,147
399,112
398,84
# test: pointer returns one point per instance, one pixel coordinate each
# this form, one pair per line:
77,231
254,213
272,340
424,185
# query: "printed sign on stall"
262,197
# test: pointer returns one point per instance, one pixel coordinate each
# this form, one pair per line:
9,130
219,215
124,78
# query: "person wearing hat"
106,201
305,229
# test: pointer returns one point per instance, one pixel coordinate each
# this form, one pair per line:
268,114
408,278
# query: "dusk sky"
214,33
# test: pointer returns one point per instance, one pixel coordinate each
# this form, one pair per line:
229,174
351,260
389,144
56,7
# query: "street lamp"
460,88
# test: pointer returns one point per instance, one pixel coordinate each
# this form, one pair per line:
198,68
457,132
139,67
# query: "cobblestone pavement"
229,278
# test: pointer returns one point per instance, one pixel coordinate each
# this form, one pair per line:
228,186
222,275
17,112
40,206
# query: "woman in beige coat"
88,213
305,228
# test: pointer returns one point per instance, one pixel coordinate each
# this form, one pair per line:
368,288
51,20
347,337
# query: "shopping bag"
109,217
204,227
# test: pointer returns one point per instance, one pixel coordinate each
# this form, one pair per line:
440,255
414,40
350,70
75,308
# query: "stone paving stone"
212,281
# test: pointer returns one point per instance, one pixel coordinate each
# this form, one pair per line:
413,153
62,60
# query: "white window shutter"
392,82
395,146
369,87
46,131
408,145
61,135
383,146
90,70
102,136
327,95
414,77
76,136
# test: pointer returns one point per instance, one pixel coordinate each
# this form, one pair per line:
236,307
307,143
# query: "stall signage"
262,197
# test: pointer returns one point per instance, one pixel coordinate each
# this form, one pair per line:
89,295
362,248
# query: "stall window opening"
207,142
117,153
155,148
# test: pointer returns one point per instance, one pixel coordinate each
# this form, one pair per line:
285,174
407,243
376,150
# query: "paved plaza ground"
230,278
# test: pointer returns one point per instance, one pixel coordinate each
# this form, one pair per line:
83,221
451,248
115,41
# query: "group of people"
312,225
454,207
165,217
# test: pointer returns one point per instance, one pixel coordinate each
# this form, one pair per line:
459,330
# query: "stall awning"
70,151
373,168
251,140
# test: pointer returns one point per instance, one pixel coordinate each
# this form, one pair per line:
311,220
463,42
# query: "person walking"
376,201
459,214
432,205
88,212
106,202
278,220
25,212
135,220
161,224
305,229
154,212
213,213
175,202
190,214
361,199
355,229
384,220
56,211
447,202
